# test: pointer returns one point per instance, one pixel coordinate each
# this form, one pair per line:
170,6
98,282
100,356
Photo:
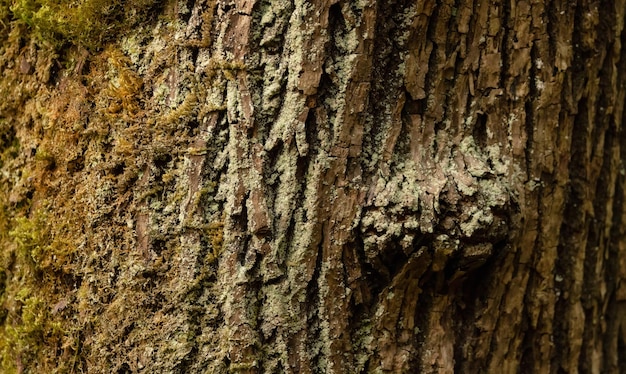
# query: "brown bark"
264,186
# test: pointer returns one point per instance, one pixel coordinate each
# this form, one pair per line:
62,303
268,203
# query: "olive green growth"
28,236
88,23
31,329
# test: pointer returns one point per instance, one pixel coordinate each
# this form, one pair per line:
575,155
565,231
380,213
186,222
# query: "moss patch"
88,22
56,97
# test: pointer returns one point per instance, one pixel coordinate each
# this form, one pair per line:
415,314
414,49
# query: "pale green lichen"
478,218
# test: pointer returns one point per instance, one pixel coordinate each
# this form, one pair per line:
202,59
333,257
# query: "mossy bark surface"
264,186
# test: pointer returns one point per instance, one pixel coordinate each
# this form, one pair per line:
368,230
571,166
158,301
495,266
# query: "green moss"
84,22
9,145
28,236
30,330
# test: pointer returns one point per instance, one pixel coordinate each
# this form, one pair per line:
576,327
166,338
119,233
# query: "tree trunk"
268,186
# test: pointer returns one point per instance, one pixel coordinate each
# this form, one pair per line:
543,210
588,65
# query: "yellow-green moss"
28,235
85,22
33,329
30,329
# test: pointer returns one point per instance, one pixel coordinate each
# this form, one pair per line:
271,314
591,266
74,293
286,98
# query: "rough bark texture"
327,186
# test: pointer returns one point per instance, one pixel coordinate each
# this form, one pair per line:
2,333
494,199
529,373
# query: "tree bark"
264,186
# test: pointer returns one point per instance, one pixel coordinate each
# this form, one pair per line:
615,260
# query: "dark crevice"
192,127
453,29
118,169
128,329
617,229
612,270
55,73
393,260
8,136
552,20
329,85
161,161
241,222
312,139
335,18
621,352
529,107
76,164
621,68
158,246
374,282
480,130
194,51
227,7
563,268
314,322
429,79
270,173
448,107
469,302
588,296
527,347
505,44
385,83
326,90
189,6
579,72
531,333
124,369
347,262
290,237
596,243
423,309
604,129
413,107
402,146
186,364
